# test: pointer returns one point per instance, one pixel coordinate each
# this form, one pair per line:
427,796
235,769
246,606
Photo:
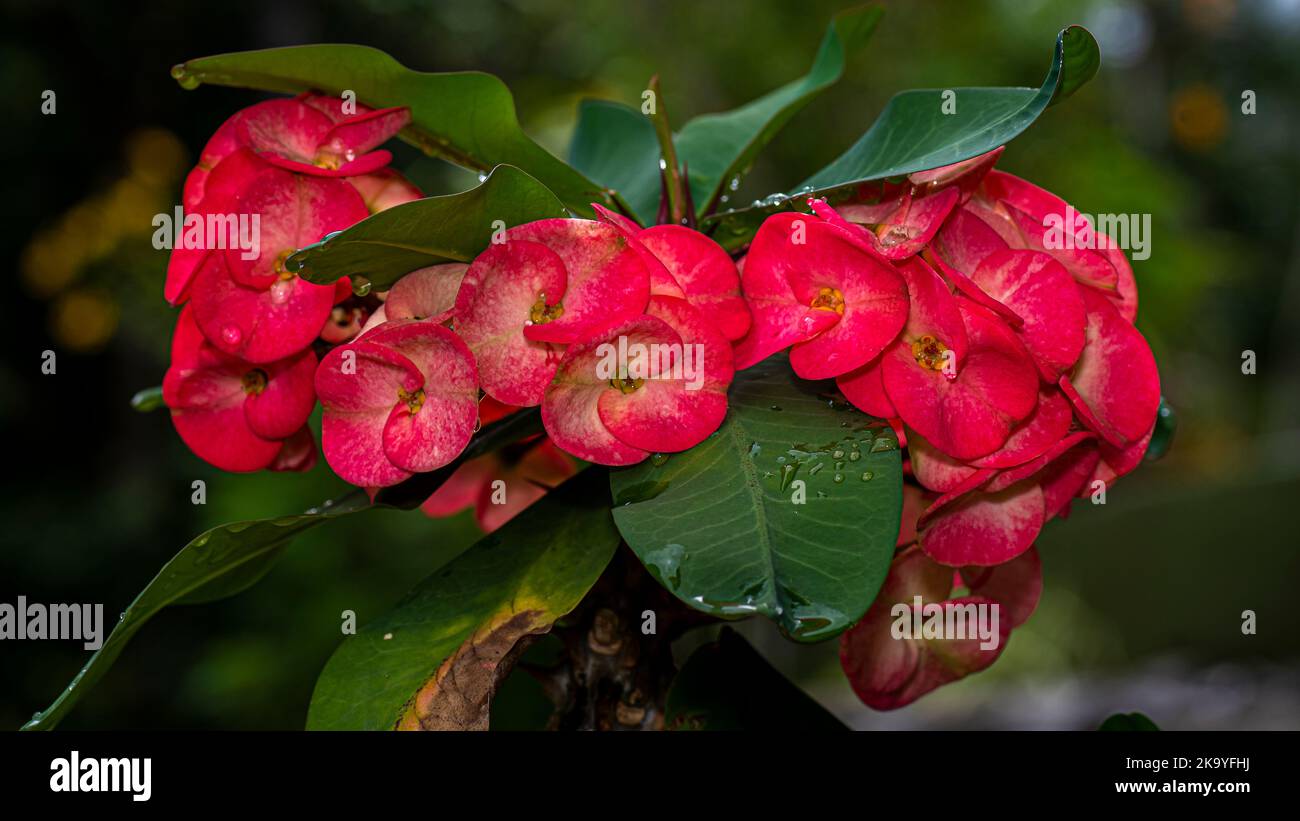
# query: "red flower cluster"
240,382
531,321
1006,359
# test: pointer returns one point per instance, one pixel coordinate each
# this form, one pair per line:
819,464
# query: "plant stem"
669,167
613,675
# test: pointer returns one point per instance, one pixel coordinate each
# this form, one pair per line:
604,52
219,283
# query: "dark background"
1144,596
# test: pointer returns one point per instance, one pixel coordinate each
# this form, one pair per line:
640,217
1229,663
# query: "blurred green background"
1143,600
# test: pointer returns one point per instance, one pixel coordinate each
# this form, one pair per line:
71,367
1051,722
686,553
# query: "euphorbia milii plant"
850,410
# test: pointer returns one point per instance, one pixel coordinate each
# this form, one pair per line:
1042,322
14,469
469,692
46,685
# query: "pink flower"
1026,216
307,135
687,264
899,219
551,283
401,400
256,308
283,133
236,415
1115,387
820,290
889,665
993,516
619,414
956,374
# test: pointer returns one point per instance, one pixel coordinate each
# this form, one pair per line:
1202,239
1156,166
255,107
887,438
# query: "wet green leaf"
217,564
914,133
386,246
465,117
790,510
457,624
227,560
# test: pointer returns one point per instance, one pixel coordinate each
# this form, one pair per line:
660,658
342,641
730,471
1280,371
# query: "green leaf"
465,117
229,559
914,134
727,685
717,148
615,145
1162,437
719,526
217,564
149,399
386,246
1128,722
514,582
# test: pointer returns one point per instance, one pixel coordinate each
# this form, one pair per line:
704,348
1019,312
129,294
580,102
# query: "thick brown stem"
615,673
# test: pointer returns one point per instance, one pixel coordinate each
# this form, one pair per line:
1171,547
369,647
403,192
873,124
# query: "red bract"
1115,386
685,264
657,383
889,666
958,375
304,139
900,219
237,415
256,308
551,283
815,286
1046,300
1026,216
401,400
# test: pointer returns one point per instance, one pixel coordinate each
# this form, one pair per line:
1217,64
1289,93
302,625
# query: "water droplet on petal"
281,290
231,334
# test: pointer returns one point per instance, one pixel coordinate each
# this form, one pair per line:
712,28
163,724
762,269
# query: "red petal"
1046,297
282,407
1115,386
985,528
607,283
705,273
493,305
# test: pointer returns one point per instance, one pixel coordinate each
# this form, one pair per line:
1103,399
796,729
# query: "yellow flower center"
541,313
278,267
254,382
624,384
829,299
414,399
929,353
